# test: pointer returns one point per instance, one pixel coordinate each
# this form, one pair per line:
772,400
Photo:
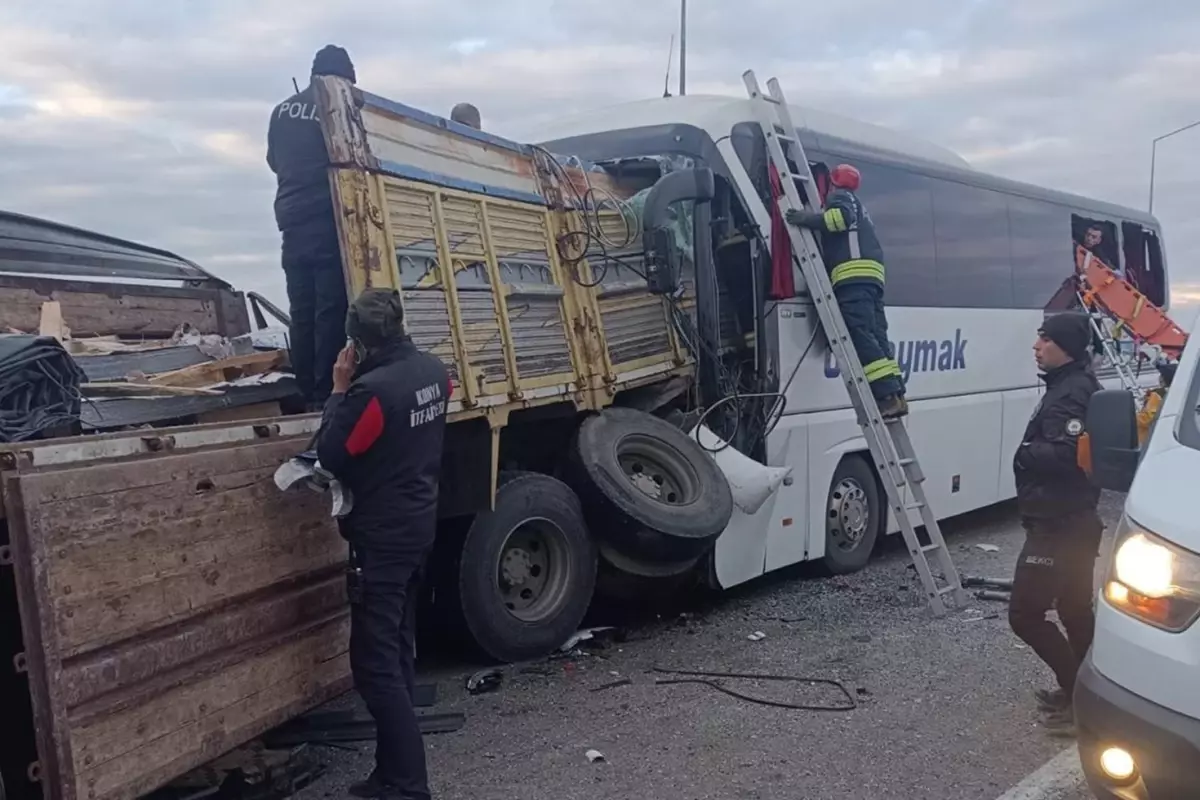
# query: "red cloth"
783,283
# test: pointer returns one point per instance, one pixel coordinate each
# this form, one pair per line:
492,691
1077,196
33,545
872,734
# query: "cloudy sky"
147,119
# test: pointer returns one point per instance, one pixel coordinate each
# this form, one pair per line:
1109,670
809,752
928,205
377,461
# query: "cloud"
149,120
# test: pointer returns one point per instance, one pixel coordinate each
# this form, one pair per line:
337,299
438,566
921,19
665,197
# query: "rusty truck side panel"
175,604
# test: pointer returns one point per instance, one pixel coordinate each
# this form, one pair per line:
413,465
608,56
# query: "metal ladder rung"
929,548
947,589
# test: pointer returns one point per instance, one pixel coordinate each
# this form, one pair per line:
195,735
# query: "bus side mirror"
1112,430
662,258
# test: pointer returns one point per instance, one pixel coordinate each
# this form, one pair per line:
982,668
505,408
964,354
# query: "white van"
1137,700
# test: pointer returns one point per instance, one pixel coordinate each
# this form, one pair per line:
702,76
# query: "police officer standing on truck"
854,257
381,436
1057,504
312,262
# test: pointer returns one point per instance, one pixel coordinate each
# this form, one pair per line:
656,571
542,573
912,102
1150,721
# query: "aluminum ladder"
891,448
1102,326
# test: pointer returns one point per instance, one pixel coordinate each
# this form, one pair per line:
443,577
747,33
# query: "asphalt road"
944,707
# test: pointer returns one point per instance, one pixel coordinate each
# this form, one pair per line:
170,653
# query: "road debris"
710,679
484,681
988,548
757,636
594,755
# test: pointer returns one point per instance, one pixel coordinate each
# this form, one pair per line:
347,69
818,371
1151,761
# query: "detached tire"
650,489
527,570
854,515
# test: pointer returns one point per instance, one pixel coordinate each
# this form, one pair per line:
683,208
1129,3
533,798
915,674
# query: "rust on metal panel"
176,606
339,106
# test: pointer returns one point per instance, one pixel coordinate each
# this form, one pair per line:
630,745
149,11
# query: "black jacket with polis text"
383,440
1050,483
296,153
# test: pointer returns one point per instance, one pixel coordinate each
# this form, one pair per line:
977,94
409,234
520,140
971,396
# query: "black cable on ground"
709,679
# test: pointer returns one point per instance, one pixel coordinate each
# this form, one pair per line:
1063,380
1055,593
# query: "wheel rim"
849,515
533,570
657,471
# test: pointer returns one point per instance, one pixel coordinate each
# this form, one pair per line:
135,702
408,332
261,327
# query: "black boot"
373,787
893,406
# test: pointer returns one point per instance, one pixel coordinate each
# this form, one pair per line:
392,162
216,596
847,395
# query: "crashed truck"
164,602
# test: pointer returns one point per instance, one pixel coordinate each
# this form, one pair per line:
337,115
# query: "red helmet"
845,176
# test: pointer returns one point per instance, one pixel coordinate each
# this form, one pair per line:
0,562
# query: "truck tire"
854,515
527,569
650,489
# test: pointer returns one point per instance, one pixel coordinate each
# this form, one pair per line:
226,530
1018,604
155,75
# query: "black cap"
1071,331
333,60
375,317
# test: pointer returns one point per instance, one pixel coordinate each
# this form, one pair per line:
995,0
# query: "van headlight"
1153,580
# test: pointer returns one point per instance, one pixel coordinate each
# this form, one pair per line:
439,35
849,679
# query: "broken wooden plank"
128,389
122,412
51,322
238,413
123,365
220,371
101,309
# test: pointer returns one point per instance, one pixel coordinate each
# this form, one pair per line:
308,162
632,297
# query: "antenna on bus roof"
670,58
296,86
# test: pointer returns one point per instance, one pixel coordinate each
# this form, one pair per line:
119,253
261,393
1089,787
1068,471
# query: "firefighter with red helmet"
854,259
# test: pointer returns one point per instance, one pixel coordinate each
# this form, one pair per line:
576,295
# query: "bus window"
1155,285
1100,237
971,238
901,207
1042,260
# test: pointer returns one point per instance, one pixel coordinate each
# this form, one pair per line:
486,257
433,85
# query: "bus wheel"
853,516
527,570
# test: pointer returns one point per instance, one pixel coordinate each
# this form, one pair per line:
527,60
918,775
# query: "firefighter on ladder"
854,259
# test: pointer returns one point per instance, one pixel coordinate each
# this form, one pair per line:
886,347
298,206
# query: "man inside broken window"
312,262
854,259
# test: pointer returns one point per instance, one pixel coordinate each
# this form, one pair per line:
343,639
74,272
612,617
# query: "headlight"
1152,579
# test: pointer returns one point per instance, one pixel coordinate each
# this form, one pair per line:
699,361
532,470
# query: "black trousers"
1055,570
316,288
382,655
866,321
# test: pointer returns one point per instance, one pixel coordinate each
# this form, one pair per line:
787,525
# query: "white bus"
974,262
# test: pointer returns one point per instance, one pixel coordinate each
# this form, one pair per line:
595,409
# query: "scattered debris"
612,685
594,755
710,679
988,548
970,581
992,594
757,636
584,635
334,727
484,681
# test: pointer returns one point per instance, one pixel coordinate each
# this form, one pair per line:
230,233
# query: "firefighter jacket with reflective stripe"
849,245
1050,483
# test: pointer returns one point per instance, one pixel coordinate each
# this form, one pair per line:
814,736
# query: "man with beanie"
312,262
1057,504
381,436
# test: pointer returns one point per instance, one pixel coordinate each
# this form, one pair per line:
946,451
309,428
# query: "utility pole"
1153,152
682,47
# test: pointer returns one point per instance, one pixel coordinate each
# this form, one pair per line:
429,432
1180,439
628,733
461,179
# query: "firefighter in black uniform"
381,436
854,258
311,257
1057,504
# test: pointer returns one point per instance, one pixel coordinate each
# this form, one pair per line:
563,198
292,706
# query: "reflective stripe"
855,252
878,369
834,221
860,268
894,368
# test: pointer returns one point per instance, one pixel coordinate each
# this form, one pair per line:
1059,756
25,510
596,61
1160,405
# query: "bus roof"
833,131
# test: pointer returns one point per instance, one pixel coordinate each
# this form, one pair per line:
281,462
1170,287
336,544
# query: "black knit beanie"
376,317
1071,331
333,60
